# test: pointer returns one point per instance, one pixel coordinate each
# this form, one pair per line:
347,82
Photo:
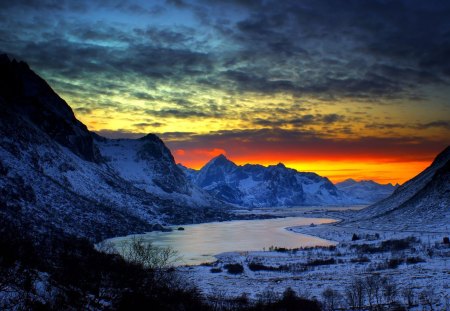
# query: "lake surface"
200,242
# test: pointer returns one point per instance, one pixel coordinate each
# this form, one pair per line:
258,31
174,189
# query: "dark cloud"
332,118
444,124
307,144
323,50
299,121
148,124
120,133
440,123
328,49
83,110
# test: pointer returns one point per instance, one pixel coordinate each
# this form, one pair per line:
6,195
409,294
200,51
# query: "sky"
344,88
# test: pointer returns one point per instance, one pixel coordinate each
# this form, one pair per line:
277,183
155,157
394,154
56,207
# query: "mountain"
367,191
56,174
422,202
276,185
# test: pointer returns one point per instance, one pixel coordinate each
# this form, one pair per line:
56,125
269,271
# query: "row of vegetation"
54,271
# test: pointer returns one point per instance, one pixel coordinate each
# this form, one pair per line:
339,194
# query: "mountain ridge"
254,185
366,190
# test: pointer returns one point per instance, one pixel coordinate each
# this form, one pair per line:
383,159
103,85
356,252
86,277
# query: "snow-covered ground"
419,260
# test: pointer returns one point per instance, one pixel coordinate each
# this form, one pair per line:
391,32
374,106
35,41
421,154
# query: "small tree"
408,296
268,296
373,286
389,290
138,251
331,299
428,299
355,294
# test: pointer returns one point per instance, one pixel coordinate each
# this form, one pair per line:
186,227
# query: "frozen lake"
200,242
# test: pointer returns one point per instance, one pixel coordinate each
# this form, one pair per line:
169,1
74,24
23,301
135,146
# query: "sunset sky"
344,88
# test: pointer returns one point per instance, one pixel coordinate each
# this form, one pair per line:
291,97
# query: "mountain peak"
221,159
221,156
28,97
350,180
4,58
150,137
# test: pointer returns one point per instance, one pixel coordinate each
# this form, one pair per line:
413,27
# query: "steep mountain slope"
148,165
53,172
423,201
366,190
275,185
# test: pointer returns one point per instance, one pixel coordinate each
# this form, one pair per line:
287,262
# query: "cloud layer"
270,72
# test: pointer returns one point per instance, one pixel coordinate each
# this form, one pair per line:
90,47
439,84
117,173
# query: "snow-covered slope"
54,174
275,185
148,164
422,202
366,190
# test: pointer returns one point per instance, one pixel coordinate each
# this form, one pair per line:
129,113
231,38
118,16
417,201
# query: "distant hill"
367,191
421,203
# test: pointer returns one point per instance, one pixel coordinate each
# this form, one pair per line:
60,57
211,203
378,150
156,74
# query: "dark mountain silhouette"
55,173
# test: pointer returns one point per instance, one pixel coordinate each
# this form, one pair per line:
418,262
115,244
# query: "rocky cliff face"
29,97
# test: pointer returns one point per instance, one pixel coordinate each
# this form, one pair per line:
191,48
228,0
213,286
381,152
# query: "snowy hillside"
56,175
365,190
259,186
422,202
148,164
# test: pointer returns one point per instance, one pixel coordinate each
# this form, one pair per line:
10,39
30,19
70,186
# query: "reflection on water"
199,243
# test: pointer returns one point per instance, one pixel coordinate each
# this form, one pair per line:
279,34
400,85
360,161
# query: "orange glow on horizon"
379,170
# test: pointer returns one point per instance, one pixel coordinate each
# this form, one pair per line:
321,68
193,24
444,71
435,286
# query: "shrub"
321,262
413,260
254,266
215,270
235,268
393,263
397,245
331,299
446,240
144,253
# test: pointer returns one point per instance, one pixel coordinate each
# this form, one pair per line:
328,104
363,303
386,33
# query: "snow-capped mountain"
259,186
57,174
422,202
367,191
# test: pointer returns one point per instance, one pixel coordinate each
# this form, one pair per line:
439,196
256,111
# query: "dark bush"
215,270
413,260
386,246
446,240
321,262
254,266
235,268
393,263
79,276
355,237
397,245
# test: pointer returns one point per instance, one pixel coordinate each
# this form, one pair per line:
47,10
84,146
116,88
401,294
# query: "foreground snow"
310,271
